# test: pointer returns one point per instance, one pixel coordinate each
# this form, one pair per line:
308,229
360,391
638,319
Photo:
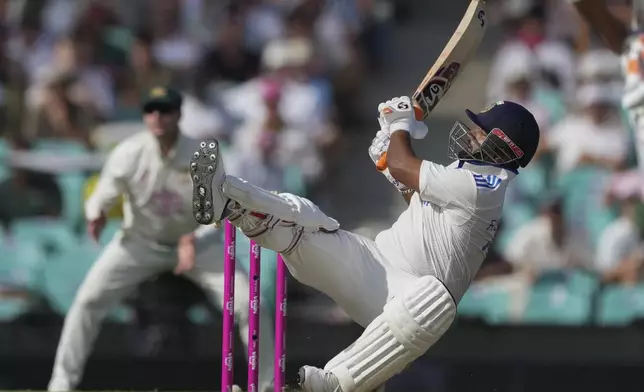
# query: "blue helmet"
512,136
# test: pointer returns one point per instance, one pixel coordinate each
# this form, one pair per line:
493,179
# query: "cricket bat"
457,53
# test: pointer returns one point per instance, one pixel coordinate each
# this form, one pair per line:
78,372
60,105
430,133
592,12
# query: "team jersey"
632,61
158,190
449,224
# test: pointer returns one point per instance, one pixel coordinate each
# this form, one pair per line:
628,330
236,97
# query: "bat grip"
381,165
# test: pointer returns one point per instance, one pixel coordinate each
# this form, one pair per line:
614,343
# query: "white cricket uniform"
445,232
157,212
633,98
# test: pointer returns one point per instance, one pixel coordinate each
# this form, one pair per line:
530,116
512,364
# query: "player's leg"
118,270
346,267
209,274
411,323
213,189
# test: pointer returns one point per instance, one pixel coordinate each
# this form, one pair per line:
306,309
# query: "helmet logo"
518,152
490,106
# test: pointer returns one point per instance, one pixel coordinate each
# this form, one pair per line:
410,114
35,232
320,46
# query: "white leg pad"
410,324
284,206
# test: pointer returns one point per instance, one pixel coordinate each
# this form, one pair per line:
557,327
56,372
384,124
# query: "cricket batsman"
404,286
159,233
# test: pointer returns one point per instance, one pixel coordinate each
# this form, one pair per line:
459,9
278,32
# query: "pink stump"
227,342
253,317
280,325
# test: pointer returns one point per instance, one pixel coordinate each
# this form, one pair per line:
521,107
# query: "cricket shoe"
314,379
206,168
237,388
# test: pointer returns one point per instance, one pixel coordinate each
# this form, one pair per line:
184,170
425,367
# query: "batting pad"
410,324
284,206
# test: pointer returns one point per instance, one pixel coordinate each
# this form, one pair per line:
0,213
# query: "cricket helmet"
512,136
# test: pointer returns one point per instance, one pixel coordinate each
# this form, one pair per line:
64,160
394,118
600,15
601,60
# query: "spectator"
172,47
76,55
523,85
30,46
61,111
229,61
542,244
28,193
599,66
341,59
619,253
95,25
144,70
554,60
264,150
128,99
302,104
264,22
595,136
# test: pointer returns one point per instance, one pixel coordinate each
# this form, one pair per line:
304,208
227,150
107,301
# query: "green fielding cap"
162,96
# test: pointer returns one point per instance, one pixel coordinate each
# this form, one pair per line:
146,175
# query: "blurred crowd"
575,214
274,80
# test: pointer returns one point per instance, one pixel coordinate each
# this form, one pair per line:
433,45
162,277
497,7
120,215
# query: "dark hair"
30,21
144,36
536,12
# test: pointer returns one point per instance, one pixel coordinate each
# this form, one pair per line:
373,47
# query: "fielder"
150,170
404,286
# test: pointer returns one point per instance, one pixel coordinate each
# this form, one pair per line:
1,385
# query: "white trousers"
122,266
347,267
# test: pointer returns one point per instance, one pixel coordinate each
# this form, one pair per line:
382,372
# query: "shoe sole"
203,166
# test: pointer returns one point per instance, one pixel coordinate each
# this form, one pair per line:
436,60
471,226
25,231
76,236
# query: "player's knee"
420,315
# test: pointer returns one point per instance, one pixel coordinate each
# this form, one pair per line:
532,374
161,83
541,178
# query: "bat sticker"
428,97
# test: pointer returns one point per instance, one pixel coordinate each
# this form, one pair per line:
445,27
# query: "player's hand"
186,253
401,115
95,227
378,147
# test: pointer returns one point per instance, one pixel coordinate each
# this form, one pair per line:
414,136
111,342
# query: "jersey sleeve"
444,186
111,184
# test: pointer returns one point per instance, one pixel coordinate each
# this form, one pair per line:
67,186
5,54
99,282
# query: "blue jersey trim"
479,163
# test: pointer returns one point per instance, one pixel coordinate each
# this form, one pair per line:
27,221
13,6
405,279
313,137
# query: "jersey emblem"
487,182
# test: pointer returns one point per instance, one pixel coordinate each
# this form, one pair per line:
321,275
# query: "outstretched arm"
611,29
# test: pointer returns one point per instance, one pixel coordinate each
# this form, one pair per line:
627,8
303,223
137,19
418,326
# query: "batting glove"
379,146
400,115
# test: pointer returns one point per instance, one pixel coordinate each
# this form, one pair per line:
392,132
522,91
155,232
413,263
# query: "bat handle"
381,165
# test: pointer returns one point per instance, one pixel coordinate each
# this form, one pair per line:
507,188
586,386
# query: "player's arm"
379,147
403,164
111,184
398,122
611,29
